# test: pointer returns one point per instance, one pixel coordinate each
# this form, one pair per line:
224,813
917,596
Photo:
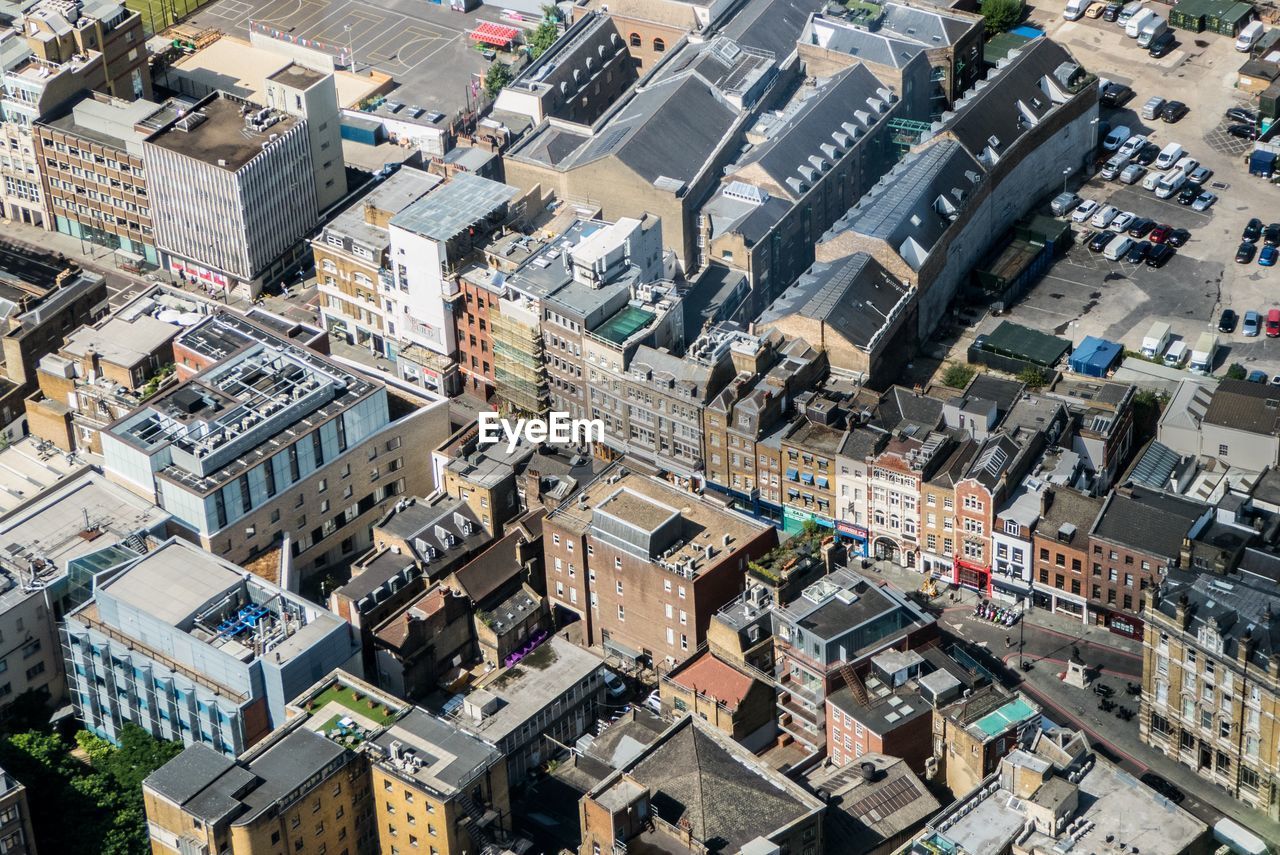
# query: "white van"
1152,179
1170,184
1075,9
1151,30
1176,354
1169,155
1249,36
1118,248
1117,162
1127,13
1135,24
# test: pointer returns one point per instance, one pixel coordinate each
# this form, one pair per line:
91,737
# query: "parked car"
653,702
1064,203
1178,237
1271,235
1272,324
1252,230
1162,44
1147,154
1132,144
1160,233
1227,321
1095,10
1160,255
1084,211
1163,787
613,684
1252,324
1118,136
1103,218
1138,252
1256,376
1098,242
1141,227
1200,174
1244,254
1123,220
1268,256
1204,201
1132,173
1244,132
1275,380
1242,114
1173,111
1188,193
1111,12
1115,95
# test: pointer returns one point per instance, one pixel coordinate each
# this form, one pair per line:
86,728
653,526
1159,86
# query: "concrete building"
1103,434
55,541
1235,423
16,834
553,696
58,30
1211,682
737,699
216,175
191,648
877,779
94,179
1057,790
827,635
644,565
312,96
692,788
354,267
972,734
269,454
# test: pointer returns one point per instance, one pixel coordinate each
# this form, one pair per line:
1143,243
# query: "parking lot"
1084,294
424,46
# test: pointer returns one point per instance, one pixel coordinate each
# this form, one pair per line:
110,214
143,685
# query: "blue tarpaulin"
1095,356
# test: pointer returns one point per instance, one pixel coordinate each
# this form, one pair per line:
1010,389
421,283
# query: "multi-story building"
1061,576
311,95
859,447
354,271
734,697
895,495
938,510
16,834
973,733
56,31
809,454
192,648
488,477
660,800
827,635
1136,538
1233,422
95,183
996,471
55,541
645,565
269,454
1103,436
216,173
1211,682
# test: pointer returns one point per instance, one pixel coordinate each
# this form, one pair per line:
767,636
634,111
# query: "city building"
874,806
809,452
644,565
1103,435
695,788
737,699
1058,793
861,446
57,31
1137,537
55,541
16,834
94,179
1061,576
216,173
191,647
895,495
1211,681
829,633
353,262
938,510
271,455
1235,423
531,708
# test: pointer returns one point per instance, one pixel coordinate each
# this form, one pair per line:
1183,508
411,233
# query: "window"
635,40
1222,450
659,45
622,612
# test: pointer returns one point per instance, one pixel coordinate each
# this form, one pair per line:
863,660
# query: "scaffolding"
519,379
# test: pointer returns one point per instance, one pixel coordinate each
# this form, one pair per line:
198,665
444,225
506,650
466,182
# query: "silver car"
1204,201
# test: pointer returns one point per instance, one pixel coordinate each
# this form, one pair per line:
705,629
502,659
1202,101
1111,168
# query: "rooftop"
711,677
842,602
455,206
1147,520
224,130
434,753
393,194
121,341
1252,407
1233,608
28,467
863,813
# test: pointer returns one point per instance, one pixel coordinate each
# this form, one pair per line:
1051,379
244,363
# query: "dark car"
1244,132
1227,321
1252,231
1138,253
1147,154
1173,111
1099,241
1141,227
1115,94
1111,12
1162,44
1271,235
1160,255
1242,114
1244,254
1178,237
1163,787
1160,233
1189,192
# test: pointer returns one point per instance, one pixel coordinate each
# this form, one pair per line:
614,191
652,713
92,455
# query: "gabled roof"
853,297
1236,605
772,25
1148,521
901,408
1251,407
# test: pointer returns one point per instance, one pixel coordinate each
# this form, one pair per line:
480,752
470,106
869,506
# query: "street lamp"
1066,172
351,54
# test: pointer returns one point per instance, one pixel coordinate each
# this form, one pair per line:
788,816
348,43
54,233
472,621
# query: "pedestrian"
1008,641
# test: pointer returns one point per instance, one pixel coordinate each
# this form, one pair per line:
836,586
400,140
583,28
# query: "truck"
1127,13
1237,838
1152,30
1202,353
1135,24
1153,343
1075,9
1151,109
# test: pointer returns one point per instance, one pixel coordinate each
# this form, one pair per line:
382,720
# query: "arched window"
635,40
659,45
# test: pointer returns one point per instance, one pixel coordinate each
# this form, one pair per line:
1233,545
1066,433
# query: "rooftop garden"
354,700
774,566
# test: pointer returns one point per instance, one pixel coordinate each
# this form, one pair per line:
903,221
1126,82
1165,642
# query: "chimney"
89,363
1182,612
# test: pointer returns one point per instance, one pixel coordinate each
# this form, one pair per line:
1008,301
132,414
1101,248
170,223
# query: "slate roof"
881,48
852,297
929,26
1252,407
772,25
183,777
900,408
1239,605
489,571
863,814
1148,521
998,455
1067,507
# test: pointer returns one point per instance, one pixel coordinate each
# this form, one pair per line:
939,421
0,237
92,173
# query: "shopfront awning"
494,34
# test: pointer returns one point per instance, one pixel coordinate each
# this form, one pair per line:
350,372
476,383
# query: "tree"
498,75
1001,15
550,12
1236,372
958,375
543,38
1032,377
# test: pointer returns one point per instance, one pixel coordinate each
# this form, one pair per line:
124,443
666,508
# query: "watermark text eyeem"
557,428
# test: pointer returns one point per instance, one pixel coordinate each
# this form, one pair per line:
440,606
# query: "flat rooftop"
223,130
454,207
297,76
26,471
121,342
435,753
